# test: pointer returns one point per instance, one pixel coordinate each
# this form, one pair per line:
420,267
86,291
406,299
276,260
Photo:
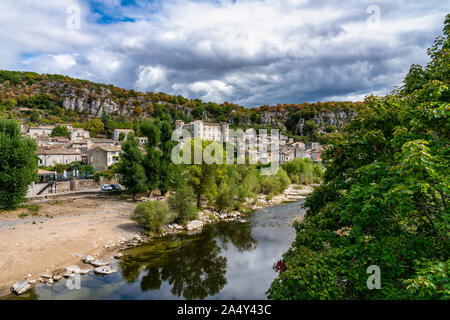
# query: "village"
102,153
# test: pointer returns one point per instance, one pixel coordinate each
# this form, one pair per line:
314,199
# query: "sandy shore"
59,234
67,228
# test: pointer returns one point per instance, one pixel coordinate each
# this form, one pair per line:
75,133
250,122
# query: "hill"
49,98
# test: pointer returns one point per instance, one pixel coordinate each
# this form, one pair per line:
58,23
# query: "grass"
23,214
31,208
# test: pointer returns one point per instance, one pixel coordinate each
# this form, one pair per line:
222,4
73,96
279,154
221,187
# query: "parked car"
106,187
116,187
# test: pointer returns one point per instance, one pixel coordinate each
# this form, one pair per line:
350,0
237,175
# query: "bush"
303,171
106,175
275,184
225,197
151,215
183,202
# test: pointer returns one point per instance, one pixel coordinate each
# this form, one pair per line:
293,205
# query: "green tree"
204,178
384,199
311,130
96,126
158,160
60,131
182,201
18,164
129,167
35,116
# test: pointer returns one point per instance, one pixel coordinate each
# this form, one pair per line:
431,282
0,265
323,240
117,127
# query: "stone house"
51,156
35,132
102,157
205,130
79,134
142,140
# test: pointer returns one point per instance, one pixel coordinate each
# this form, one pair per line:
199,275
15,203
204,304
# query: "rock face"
194,225
20,287
326,119
104,270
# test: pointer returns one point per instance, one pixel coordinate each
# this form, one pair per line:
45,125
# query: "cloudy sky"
250,52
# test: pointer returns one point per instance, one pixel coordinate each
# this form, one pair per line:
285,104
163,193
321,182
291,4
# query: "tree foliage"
60,131
129,167
18,164
384,200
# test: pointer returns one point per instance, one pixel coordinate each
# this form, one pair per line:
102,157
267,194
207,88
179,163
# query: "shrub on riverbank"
151,215
275,184
183,203
303,171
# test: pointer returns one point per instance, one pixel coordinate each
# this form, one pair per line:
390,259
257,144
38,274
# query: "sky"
249,52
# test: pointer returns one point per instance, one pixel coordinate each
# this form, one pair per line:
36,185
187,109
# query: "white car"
106,187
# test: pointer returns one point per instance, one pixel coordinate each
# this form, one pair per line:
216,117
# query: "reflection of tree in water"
240,236
191,264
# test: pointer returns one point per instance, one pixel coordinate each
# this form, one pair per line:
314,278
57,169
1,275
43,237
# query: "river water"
227,260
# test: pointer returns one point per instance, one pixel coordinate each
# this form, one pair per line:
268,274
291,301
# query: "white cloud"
248,51
150,77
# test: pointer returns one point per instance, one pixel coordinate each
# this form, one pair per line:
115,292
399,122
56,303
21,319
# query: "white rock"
72,269
57,278
99,263
20,287
118,255
46,276
104,270
88,259
194,225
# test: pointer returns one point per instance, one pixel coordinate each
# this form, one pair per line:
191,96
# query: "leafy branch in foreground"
384,200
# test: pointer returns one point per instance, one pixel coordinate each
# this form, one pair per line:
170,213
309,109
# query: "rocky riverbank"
100,260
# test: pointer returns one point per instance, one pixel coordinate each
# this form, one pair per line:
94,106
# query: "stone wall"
65,186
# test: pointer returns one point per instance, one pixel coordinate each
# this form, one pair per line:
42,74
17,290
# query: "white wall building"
205,130
50,157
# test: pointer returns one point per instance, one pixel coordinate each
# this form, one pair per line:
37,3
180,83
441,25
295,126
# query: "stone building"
50,157
205,130
102,157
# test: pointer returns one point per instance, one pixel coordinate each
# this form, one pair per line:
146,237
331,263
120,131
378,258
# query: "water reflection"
192,265
224,261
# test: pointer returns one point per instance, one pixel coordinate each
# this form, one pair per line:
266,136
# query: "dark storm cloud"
247,52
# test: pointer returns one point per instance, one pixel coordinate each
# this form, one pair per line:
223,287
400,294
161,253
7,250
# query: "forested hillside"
46,98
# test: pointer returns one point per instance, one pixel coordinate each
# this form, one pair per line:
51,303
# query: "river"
226,260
